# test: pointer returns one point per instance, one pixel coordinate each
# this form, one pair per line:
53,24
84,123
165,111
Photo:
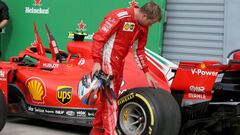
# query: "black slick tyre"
3,110
148,111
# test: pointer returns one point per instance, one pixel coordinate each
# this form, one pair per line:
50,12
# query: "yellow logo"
202,66
36,89
128,26
125,115
126,98
64,94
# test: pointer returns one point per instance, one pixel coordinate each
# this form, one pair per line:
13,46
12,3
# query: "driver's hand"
96,67
151,80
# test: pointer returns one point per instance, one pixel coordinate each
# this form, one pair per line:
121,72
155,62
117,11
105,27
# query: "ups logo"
64,94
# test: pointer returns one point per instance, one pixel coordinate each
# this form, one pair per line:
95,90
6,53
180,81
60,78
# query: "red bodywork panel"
197,79
50,83
133,77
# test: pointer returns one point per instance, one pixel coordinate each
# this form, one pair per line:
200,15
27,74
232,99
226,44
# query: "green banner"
63,16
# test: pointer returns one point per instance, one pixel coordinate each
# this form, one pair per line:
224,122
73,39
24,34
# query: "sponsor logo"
197,92
91,114
196,96
197,89
202,66
50,65
2,74
39,110
111,20
64,94
36,9
81,114
37,3
204,73
81,61
81,26
49,111
107,26
128,26
65,112
31,109
70,113
60,112
37,89
126,98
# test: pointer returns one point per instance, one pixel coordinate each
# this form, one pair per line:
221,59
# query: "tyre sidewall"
138,98
3,113
160,107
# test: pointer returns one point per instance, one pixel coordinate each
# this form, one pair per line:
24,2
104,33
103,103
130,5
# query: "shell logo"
129,26
126,26
202,66
36,89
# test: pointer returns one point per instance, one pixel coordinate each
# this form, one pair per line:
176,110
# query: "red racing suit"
118,33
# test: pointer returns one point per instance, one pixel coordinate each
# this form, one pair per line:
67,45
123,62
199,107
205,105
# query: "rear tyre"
3,110
148,111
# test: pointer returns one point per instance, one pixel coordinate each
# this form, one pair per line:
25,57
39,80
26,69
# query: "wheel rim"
133,119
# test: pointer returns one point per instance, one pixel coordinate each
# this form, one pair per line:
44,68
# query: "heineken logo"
36,8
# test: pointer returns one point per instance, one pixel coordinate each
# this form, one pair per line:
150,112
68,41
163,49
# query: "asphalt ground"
22,126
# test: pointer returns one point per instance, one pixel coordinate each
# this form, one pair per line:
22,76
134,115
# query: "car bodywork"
208,94
44,82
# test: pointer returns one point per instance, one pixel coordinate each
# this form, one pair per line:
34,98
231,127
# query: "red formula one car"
54,85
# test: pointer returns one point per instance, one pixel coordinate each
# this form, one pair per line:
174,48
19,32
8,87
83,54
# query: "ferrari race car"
54,85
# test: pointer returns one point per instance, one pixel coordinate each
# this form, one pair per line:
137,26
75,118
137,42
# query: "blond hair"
152,10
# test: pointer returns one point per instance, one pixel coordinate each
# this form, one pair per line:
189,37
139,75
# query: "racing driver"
121,30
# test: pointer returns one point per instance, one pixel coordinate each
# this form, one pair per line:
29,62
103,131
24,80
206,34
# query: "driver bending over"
121,30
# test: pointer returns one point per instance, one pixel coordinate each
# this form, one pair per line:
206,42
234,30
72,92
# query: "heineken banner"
62,17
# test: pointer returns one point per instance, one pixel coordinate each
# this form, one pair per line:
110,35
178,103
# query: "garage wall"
232,26
194,30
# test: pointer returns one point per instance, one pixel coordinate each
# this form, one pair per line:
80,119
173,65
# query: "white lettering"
49,111
202,72
81,113
193,71
59,112
196,96
31,10
2,73
198,89
30,109
49,65
39,110
90,114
